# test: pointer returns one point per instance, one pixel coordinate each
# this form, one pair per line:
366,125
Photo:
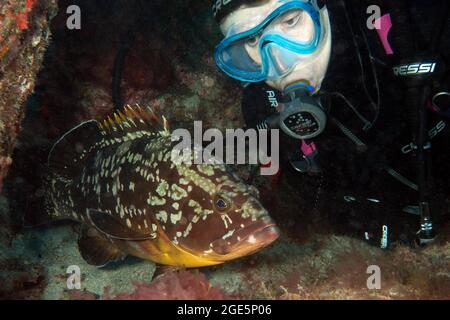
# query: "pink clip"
385,24
307,149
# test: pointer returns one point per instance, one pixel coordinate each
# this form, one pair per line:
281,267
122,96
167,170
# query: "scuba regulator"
301,117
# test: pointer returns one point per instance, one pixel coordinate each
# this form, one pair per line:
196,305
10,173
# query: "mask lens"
296,25
279,61
241,59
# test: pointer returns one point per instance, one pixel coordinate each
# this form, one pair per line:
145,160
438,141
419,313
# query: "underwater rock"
6,222
171,67
25,36
55,250
20,279
335,267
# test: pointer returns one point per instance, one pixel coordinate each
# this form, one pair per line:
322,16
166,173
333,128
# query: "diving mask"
268,46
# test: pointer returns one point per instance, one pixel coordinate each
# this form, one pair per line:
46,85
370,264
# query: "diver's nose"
279,60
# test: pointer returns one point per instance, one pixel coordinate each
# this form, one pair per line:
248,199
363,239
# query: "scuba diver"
280,50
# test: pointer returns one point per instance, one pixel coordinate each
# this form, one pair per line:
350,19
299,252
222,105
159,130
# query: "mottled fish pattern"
117,179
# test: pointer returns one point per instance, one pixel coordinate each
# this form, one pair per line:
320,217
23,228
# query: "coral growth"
182,285
23,16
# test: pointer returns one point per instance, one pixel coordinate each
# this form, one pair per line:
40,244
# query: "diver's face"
296,24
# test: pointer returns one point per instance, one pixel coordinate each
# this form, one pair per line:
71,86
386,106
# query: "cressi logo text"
414,69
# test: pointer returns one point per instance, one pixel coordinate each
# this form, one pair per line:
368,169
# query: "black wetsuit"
347,173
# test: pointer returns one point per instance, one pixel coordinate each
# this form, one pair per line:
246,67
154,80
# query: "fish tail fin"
65,161
34,205
39,209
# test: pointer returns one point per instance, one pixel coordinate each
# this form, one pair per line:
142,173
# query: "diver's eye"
222,204
293,20
253,41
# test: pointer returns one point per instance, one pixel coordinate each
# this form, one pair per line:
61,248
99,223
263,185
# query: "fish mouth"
247,240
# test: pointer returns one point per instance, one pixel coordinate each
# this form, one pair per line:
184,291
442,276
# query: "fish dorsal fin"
113,228
96,249
68,153
132,119
67,156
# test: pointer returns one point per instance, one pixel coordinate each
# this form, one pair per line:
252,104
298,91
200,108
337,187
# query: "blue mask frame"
241,74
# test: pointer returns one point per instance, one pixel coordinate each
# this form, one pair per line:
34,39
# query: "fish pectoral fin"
112,227
164,269
96,249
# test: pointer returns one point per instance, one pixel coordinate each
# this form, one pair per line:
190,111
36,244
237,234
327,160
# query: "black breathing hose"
126,43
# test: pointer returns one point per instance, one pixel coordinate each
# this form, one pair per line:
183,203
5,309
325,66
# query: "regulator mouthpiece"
303,116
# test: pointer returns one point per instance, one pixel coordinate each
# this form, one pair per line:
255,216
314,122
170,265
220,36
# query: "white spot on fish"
162,188
228,234
177,192
251,239
162,215
188,229
114,189
174,218
226,219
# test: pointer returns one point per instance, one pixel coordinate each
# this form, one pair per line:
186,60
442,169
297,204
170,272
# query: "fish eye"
222,204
